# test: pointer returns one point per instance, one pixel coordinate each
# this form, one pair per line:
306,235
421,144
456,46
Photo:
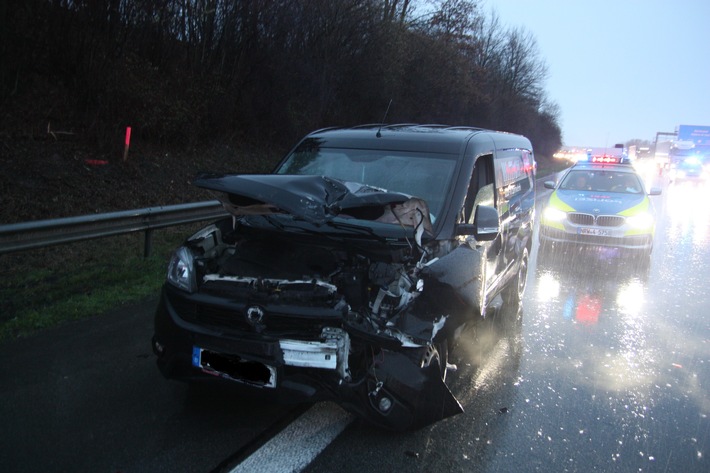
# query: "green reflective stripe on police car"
642,206
553,224
638,231
558,203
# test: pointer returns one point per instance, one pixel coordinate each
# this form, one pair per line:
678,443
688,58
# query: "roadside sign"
699,135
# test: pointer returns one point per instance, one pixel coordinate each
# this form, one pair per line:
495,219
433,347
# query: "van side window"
514,175
481,188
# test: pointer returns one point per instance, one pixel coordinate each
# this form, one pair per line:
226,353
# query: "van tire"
438,355
514,291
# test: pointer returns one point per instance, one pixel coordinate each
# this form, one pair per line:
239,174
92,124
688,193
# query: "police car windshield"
602,181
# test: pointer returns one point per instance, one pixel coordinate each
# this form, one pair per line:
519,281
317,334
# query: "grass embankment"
43,288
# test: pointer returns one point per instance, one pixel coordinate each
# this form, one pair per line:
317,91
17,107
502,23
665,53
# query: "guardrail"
42,233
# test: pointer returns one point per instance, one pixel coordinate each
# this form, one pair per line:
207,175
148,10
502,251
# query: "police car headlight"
181,270
554,215
642,220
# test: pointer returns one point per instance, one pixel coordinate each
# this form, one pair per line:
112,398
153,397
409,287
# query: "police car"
600,202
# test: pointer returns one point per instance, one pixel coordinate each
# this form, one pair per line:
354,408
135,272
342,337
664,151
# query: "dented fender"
404,390
454,282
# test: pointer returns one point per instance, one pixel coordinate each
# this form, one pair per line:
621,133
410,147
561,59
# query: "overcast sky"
620,69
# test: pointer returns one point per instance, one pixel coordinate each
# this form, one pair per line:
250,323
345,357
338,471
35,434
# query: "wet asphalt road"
609,371
87,397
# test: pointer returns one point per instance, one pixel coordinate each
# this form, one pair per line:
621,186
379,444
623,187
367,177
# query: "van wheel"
438,355
514,291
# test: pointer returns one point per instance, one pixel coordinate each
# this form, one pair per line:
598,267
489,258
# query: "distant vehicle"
573,154
680,151
601,202
691,168
349,272
643,152
687,141
563,154
599,154
661,154
639,152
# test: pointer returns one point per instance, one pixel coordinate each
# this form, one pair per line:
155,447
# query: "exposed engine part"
296,271
342,340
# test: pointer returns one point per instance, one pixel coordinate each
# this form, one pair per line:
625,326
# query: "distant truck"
690,141
639,152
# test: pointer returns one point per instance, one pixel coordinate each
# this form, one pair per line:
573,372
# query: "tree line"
182,71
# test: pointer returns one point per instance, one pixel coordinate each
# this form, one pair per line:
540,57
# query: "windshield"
602,181
420,175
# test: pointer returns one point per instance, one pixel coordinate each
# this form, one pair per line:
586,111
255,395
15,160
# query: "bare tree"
395,10
522,71
270,69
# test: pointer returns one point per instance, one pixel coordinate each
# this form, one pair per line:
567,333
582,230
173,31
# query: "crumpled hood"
315,199
608,203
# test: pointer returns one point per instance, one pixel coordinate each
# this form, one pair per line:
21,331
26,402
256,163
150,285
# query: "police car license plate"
593,231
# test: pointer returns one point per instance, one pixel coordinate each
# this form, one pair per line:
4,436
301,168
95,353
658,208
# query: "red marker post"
128,143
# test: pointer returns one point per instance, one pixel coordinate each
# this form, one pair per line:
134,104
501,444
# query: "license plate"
234,368
593,231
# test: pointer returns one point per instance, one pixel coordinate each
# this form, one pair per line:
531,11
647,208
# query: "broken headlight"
181,270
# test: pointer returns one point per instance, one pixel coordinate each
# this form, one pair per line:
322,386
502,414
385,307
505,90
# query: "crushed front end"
361,315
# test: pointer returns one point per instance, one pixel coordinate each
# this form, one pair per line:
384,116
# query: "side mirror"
549,184
655,191
485,224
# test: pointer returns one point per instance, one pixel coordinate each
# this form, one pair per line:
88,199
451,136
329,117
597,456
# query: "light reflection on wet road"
616,368
610,370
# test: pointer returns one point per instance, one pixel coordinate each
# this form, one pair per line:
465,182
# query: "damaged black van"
348,273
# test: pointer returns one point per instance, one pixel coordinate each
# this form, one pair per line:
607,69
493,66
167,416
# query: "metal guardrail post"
148,243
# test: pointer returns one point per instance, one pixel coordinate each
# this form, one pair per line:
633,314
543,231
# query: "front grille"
581,219
307,322
610,221
589,220
219,317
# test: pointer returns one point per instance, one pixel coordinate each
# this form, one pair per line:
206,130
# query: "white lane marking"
297,445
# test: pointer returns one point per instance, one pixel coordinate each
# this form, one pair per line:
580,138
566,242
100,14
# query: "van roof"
415,137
